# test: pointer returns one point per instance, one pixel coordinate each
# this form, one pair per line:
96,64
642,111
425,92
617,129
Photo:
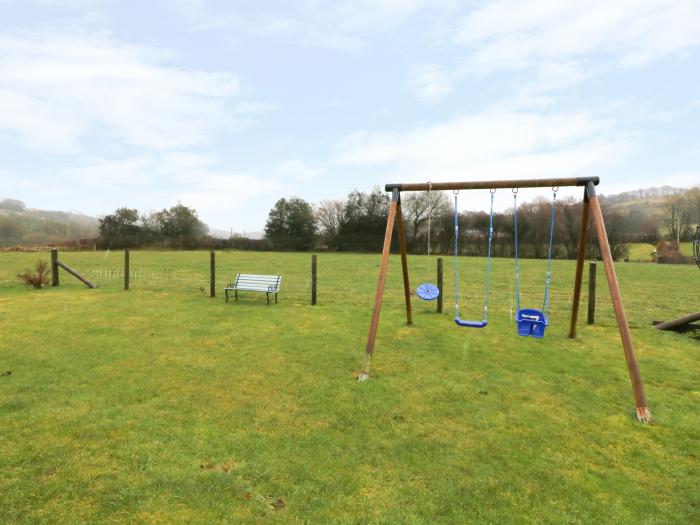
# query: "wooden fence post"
591,292
439,285
54,267
313,279
212,273
126,269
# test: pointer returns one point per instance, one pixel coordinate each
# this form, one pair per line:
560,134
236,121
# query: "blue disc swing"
532,322
464,322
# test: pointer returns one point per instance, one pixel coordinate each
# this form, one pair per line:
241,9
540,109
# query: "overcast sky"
227,106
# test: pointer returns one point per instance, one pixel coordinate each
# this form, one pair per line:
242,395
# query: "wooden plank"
493,184
591,292
404,262
643,413
677,323
76,274
580,258
383,268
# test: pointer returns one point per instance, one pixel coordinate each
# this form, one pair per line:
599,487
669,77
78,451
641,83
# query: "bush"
39,277
674,258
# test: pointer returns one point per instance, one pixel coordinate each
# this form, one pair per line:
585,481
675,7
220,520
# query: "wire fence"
650,292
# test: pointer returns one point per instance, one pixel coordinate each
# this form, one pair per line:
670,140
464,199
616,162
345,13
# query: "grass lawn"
162,405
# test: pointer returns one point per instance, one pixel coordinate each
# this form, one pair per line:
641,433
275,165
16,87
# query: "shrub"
674,258
39,277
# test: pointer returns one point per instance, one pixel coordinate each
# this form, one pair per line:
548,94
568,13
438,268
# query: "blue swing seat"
531,323
428,291
471,324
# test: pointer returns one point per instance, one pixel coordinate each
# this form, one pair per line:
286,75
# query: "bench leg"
226,292
275,297
268,298
236,294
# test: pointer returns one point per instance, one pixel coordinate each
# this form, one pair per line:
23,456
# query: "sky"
227,106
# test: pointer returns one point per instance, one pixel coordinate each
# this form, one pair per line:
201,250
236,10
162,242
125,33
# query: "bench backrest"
258,283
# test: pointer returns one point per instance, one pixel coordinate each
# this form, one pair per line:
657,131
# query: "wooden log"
404,262
643,413
54,268
383,268
126,269
313,279
439,285
580,258
75,274
678,323
493,184
212,274
591,292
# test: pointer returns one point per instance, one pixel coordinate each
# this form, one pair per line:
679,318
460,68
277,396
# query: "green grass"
161,405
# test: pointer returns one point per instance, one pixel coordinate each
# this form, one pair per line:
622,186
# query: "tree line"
175,227
358,223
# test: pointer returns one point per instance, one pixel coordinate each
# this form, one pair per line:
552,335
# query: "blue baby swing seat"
532,322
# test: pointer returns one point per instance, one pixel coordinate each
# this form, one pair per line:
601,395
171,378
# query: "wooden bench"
266,284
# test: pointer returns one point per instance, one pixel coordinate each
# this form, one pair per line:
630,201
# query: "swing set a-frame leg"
394,210
643,413
581,256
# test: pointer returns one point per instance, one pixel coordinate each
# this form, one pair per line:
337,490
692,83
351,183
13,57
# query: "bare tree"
419,206
329,216
673,207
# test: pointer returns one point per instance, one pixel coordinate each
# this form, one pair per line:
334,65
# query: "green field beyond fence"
162,405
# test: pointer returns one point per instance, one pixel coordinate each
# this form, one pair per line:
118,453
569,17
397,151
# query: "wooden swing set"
591,208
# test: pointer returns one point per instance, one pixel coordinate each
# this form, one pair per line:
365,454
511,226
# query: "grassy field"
162,405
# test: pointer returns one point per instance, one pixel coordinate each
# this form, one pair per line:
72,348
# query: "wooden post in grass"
126,269
439,284
212,273
313,279
591,292
54,267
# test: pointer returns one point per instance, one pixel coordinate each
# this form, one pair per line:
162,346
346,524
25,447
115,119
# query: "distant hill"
227,234
20,225
648,202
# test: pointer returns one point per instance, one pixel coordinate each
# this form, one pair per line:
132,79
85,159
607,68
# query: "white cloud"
495,144
296,170
58,91
159,180
339,24
430,83
511,34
